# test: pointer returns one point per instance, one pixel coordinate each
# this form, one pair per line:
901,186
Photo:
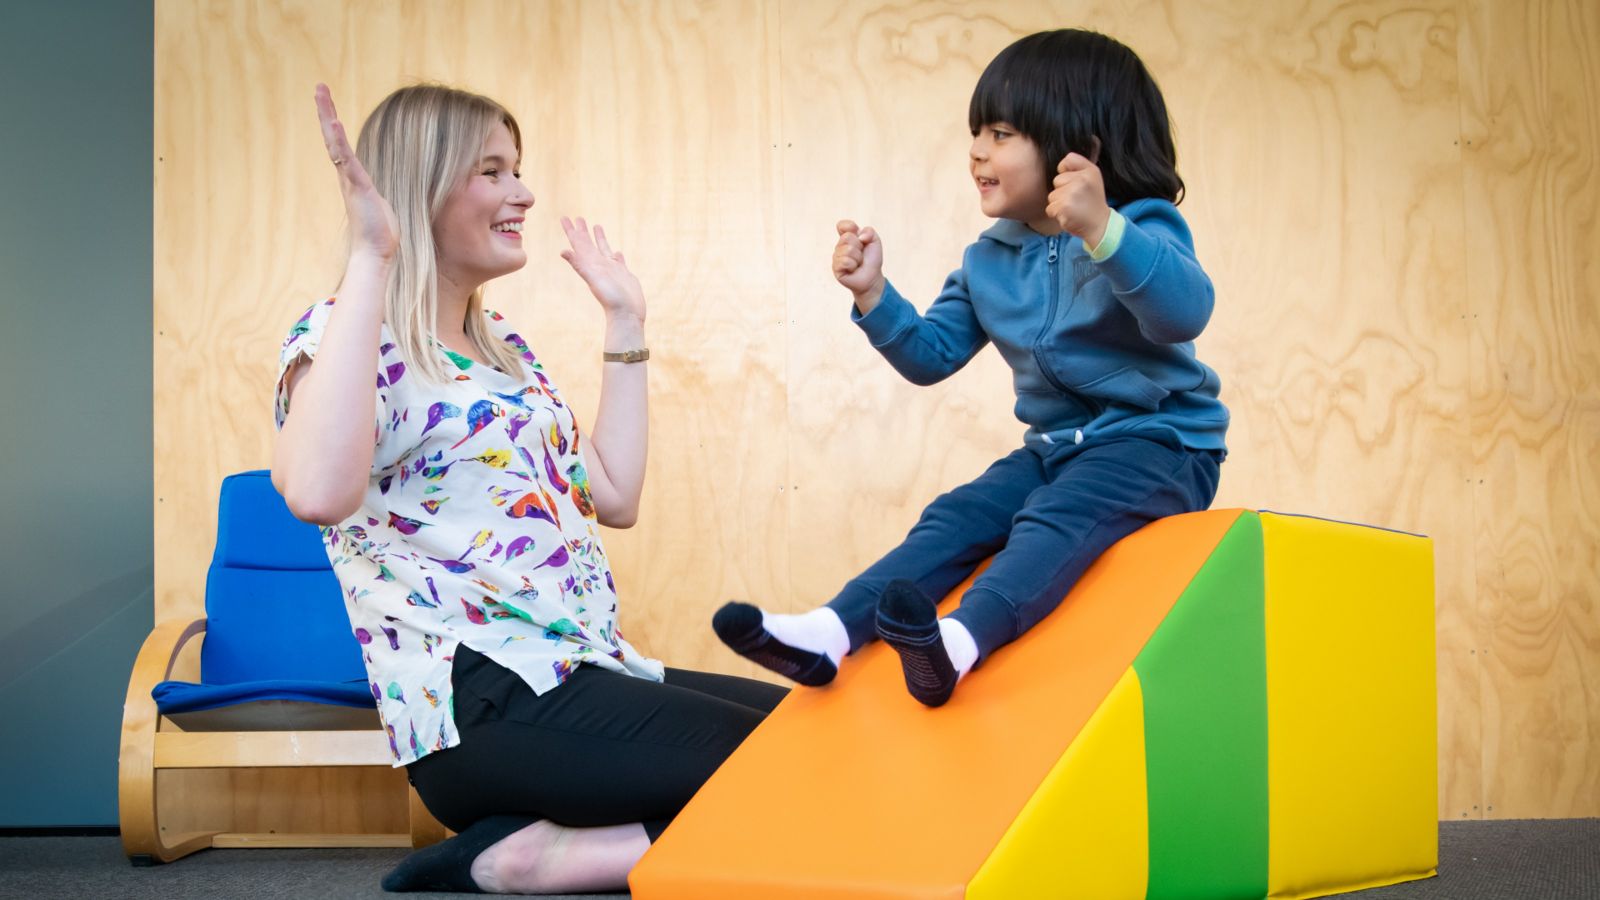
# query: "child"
1089,288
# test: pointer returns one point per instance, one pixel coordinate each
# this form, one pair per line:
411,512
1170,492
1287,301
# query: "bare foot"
546,858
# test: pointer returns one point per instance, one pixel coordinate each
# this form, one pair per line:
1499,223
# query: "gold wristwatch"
627,356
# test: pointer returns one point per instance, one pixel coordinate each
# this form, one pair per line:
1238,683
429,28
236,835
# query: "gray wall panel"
75,397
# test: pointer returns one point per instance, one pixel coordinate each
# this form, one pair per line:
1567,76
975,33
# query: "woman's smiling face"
478,233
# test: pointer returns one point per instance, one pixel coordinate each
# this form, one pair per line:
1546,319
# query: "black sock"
739,626
447,865
908,621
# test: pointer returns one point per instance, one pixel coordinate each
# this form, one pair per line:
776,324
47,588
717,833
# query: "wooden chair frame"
146,749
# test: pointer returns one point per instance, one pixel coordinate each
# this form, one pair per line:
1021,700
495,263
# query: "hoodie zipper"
1050,318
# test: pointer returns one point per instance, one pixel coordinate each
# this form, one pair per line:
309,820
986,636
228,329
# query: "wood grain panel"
1347,345
287,801
1531,132
1327,201
1396,202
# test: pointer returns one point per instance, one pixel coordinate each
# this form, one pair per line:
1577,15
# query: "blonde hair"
418,145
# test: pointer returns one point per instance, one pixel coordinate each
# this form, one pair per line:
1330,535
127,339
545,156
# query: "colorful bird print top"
477,528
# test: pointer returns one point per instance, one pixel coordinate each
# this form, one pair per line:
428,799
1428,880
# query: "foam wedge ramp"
1229,704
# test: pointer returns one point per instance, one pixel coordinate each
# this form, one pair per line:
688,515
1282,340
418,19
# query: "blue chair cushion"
278,645
174,697
268,706
269,625
255,529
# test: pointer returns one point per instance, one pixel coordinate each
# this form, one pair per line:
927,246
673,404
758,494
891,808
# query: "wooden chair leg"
142,838
425,829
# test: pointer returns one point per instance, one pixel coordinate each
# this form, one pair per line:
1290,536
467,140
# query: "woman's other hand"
375,230
603,270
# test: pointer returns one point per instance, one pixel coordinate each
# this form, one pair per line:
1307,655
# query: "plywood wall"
1397,203
1530,129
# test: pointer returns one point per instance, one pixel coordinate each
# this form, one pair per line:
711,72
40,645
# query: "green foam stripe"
1204,677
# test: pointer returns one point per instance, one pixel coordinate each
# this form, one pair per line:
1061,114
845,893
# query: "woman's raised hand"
374,228
602,269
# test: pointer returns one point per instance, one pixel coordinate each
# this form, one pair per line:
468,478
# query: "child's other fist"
858,262
1078,200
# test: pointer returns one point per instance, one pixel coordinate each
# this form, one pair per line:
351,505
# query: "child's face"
1009,173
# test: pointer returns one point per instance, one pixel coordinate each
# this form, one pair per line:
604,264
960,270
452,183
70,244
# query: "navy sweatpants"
1045,512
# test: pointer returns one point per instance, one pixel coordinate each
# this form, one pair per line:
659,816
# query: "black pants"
601,749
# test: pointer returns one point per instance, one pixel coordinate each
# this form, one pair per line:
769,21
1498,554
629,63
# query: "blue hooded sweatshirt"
1096,349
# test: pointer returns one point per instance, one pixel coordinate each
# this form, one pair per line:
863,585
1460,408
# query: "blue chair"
281,681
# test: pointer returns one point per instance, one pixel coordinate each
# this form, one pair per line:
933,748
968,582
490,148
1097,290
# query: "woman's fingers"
586,243
344,154
575,238
332,131
601,267
325,111
372,220
337,142
577,233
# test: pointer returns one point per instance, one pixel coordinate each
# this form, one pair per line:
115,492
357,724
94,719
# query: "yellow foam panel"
1087,826
1351,712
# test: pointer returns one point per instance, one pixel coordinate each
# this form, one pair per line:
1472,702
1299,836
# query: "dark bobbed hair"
1064,89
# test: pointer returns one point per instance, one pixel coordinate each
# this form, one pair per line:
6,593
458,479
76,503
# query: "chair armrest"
151,667
159,653
136,760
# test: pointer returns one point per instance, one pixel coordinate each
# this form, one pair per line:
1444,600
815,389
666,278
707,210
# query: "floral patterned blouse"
477,528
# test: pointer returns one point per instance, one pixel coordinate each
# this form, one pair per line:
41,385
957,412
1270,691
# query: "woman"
461,506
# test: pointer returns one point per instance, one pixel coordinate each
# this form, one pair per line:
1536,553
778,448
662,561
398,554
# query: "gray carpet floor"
1556,859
